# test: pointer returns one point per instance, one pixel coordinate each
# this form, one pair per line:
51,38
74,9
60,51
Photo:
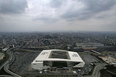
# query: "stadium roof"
58,55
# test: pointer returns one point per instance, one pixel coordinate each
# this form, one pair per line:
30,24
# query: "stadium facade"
58,59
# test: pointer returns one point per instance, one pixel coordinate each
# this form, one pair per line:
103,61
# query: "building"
57,59
109,60
89,48
5,49
89,44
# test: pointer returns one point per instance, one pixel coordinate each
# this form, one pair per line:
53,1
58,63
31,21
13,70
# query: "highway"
5,61
6,68
96,72
4,64
11,59
7,64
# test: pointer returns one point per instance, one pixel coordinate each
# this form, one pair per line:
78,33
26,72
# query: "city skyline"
57,15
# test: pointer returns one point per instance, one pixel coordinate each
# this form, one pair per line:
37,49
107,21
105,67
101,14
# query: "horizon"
64,32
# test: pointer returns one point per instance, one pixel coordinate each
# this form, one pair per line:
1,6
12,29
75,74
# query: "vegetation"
5,58
20,51
2,72
109,72
64,47
35,48
108,48
111,68
104,73
59,75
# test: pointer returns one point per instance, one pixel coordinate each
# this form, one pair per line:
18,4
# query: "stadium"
57,59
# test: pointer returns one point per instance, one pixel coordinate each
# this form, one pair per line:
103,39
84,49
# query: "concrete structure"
89,44
58,59
98,53
2,56
5,49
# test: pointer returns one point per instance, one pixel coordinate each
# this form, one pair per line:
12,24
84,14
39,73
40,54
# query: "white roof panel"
74,56
44,56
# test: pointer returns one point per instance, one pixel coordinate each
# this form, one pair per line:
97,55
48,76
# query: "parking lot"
88,58
22,59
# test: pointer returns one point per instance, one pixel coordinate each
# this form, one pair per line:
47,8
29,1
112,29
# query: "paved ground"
88,58
96,72
22,60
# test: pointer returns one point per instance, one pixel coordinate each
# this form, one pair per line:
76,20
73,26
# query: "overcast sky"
57,15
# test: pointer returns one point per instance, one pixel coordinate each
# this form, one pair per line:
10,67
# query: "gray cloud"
57,15
99,5
56,3
91,7
103,16
46,19
12,6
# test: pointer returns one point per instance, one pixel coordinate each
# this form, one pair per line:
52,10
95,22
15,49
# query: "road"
4,64
96,72
7,64
6,68
5,61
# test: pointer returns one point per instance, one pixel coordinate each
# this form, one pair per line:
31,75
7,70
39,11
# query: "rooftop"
58,55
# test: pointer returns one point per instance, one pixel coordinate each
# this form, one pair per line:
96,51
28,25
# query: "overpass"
7,64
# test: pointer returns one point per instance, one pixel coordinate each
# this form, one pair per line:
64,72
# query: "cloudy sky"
57,15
